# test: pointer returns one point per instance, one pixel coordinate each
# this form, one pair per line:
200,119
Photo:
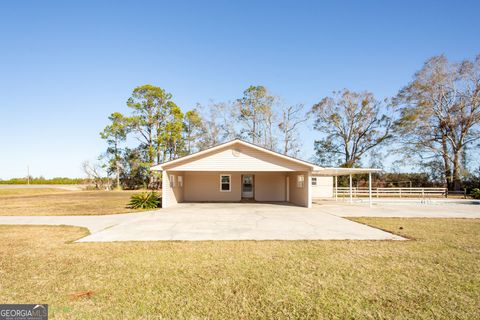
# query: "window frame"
180,181
300,181
172,181
229,182
314,184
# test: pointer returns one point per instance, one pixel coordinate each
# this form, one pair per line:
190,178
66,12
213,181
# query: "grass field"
435,276
35,202
29,192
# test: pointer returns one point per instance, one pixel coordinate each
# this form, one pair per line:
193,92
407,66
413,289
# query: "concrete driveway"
238,221
245,221
215,221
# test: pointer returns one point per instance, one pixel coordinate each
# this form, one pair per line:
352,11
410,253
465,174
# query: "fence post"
400,192
336,189
350,188
370,189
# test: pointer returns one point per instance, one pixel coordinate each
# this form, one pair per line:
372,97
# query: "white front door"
247,186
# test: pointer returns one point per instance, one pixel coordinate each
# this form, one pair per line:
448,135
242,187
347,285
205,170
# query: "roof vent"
236,152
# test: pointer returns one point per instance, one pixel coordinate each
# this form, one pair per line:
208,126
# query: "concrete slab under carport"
237,221
399,210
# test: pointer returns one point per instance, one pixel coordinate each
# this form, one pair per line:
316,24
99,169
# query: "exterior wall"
324,187
270,186
239,158
205,186
177,190
172,195
165,190
299,196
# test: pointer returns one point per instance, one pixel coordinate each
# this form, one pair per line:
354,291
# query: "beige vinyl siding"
177,190
238,158
270,186
165,189
324,187
172,195
298,196
205,186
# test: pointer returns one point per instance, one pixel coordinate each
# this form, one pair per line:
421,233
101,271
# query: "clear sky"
66,65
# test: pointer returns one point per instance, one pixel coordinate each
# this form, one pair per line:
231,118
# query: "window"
172,181
314,181
300,181
225,180
180,181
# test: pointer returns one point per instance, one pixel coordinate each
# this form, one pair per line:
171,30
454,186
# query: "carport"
336,172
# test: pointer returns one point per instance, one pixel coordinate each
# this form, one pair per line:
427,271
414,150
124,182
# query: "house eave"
170,165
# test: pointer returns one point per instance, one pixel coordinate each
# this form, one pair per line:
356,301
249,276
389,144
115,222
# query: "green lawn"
53,202
435,276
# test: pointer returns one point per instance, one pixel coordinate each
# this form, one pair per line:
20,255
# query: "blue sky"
66,65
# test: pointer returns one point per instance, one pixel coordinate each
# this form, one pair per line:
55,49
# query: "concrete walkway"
92,223
403,210
221,221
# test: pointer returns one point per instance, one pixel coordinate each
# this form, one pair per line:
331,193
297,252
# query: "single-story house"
238,171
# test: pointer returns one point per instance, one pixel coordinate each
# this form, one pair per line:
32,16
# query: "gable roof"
222,146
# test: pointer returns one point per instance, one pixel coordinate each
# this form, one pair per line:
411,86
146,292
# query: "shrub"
145,200
475,193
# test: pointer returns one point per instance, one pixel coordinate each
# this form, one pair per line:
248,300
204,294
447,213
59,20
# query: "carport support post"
309,191
370,188
350,187
336,189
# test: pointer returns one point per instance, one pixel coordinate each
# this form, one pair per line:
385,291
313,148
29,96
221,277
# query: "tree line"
42,180
432,124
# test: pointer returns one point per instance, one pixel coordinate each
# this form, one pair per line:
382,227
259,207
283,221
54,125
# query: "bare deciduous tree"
219,124
292,117
440,114
94,173
353,123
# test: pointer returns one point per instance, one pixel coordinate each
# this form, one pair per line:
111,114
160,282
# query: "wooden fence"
393,192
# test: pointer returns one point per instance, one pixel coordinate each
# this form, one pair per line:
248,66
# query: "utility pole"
28,174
